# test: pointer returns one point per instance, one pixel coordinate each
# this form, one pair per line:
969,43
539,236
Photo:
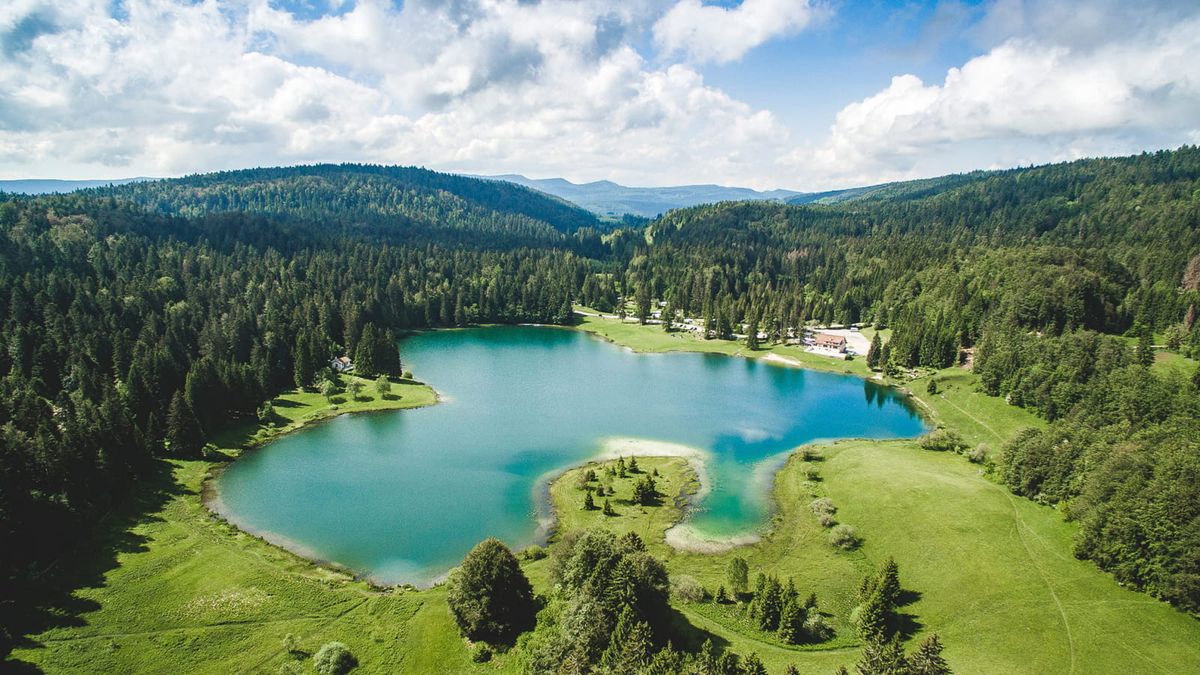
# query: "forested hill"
396,203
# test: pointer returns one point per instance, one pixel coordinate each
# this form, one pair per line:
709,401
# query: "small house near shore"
830,342
341,364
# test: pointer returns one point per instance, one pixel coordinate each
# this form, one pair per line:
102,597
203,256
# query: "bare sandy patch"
782,360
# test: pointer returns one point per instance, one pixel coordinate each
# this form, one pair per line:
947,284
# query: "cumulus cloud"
551,87
1098,87
723,34
584,89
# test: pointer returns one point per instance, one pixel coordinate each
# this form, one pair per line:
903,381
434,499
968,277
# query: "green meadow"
991,573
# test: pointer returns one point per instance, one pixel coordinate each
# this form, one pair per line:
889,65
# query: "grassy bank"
653,339
297,408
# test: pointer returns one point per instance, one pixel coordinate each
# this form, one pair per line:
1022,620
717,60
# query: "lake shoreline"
682,537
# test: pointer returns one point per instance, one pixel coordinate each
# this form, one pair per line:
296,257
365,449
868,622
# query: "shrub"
811,455
943,440
686,589
844,537
811,474
533,552
334,658
481,653
291,644
826,520
979,454
816,628
823,505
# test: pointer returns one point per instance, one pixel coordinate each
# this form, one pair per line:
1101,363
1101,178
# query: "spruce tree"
752,665
629,645
608,509
871,617
183,430
1145,348
889,583
882,657
769,605
588,503
927,660
791,623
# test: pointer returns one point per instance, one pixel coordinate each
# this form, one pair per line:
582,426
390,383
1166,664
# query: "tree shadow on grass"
687,637
49,599
285,403
906,625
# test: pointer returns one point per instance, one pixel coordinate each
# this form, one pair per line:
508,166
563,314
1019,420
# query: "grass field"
991,573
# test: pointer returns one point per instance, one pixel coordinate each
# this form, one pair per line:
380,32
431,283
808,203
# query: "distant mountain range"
606,198
41,186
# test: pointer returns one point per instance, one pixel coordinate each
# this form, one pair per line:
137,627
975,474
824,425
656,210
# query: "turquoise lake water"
402,496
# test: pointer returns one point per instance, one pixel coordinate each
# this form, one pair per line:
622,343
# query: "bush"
534,552
816,628
811,455
979,455
811,474
291,643
826,520
943,440
823,505
844,537
334,658
481,653
686,589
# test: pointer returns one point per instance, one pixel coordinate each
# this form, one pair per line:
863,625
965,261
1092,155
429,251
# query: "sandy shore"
783,360
683,536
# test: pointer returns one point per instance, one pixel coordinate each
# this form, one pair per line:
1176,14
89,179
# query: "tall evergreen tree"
928,660
874,352
184,436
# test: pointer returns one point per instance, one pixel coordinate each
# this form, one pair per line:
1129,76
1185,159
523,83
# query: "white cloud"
559,87
549,88
714,33
1069,99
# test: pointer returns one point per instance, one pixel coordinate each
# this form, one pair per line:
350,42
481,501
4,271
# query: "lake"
402,496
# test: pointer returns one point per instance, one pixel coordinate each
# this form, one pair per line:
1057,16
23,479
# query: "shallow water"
402,496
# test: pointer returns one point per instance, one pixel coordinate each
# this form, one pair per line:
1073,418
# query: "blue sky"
802,94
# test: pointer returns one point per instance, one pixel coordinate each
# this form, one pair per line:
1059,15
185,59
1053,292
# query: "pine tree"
608,509
752,665
633,465
769,605
629,645
791,623
871,617
183,430
889,584
882,657
588,503
1145,348
927,660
